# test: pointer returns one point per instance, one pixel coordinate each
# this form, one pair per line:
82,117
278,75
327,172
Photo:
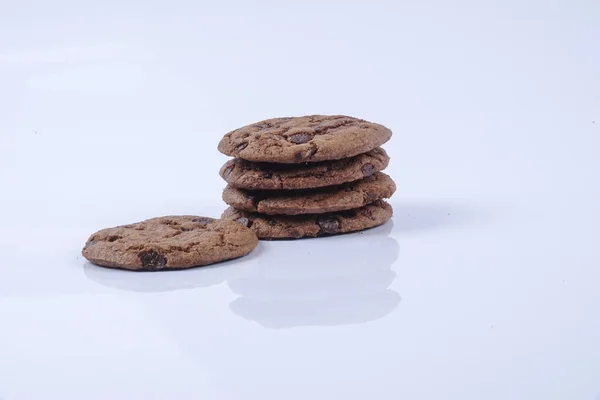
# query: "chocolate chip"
185,229
328,225
152,260
113,238
228,171
244,221
241,146
371,197
203,220
299,138
306,155
268,175
368,169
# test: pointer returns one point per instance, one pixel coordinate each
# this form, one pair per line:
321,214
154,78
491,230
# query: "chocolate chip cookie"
318,201
244,174
172,242
305,139
302,226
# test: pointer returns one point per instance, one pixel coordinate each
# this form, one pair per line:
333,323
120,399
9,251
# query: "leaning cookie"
317,201
172,242
249,175
310,138
314,225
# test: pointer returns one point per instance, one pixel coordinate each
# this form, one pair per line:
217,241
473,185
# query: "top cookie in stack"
307,176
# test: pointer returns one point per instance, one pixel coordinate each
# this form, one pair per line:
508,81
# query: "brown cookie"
302,226
317,201
311,138
172,242
244,174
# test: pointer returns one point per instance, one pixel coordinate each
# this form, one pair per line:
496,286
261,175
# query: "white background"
485,286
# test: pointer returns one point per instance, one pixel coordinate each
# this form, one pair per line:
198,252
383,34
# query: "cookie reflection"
340,280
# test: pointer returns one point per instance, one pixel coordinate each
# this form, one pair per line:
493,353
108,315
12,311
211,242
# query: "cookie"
172,242
244,174
311,138
302,226
318,201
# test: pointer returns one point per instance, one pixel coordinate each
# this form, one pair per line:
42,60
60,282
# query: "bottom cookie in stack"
312,225
297,214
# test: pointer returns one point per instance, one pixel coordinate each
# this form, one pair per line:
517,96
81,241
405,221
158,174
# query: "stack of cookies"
307,176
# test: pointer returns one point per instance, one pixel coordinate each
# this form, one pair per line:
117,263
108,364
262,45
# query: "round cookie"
310,138
319,201
171,242
303,226
249,175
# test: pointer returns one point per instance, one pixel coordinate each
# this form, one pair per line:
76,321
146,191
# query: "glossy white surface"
484,286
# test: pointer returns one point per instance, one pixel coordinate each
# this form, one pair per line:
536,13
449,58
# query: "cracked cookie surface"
249,175
305,139
314,225
171,242
317,201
